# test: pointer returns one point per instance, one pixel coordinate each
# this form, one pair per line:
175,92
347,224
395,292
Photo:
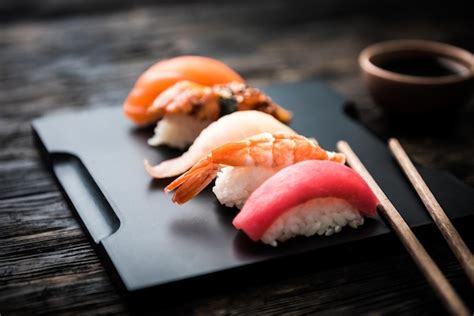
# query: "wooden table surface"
58,62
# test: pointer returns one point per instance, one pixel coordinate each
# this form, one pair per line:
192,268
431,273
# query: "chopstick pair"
454,240
425,263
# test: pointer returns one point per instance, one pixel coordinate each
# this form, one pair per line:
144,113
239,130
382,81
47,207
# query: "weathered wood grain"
47,264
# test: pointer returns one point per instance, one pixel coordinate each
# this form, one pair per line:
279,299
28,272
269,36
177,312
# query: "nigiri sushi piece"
307,198
229,128
186,108
164,74
241,167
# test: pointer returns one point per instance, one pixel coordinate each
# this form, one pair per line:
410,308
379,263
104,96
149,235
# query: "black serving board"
97,156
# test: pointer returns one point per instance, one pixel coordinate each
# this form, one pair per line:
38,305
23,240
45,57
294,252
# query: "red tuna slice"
297,184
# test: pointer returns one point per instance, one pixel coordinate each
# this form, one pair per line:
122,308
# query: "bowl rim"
423,46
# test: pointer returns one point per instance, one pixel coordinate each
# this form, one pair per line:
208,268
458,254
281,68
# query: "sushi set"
278,188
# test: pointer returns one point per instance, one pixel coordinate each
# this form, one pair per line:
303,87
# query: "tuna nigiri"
307,198
229,128
240,167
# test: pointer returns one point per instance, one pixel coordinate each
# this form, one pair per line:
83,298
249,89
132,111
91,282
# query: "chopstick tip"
341,144
393,141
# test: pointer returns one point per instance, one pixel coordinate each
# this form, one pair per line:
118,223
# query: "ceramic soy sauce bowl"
417,76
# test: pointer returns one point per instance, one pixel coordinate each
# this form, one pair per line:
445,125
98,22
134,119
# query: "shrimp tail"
337,157
193,181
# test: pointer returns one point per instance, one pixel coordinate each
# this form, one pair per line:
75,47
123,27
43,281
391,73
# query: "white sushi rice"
234,185
177,131
322,216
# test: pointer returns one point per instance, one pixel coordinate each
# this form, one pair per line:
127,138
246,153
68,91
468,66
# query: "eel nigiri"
308,198
240,167
229,128
186,108
164,74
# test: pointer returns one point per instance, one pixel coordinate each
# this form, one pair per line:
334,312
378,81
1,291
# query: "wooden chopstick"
460,249
416,250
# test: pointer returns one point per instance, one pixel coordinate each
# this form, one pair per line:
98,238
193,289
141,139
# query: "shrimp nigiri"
307,198
227,129
240,167
186,108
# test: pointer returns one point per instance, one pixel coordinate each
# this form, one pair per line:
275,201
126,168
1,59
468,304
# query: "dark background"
62,55
14,9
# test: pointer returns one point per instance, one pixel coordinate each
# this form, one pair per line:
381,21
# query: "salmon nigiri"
164,74
229,128
240,167
308,198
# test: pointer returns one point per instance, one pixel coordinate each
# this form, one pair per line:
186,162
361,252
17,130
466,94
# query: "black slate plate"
97,156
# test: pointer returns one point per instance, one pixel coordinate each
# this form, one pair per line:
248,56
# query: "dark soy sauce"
425,66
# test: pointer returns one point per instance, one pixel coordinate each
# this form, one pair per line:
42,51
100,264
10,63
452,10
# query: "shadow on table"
443,124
